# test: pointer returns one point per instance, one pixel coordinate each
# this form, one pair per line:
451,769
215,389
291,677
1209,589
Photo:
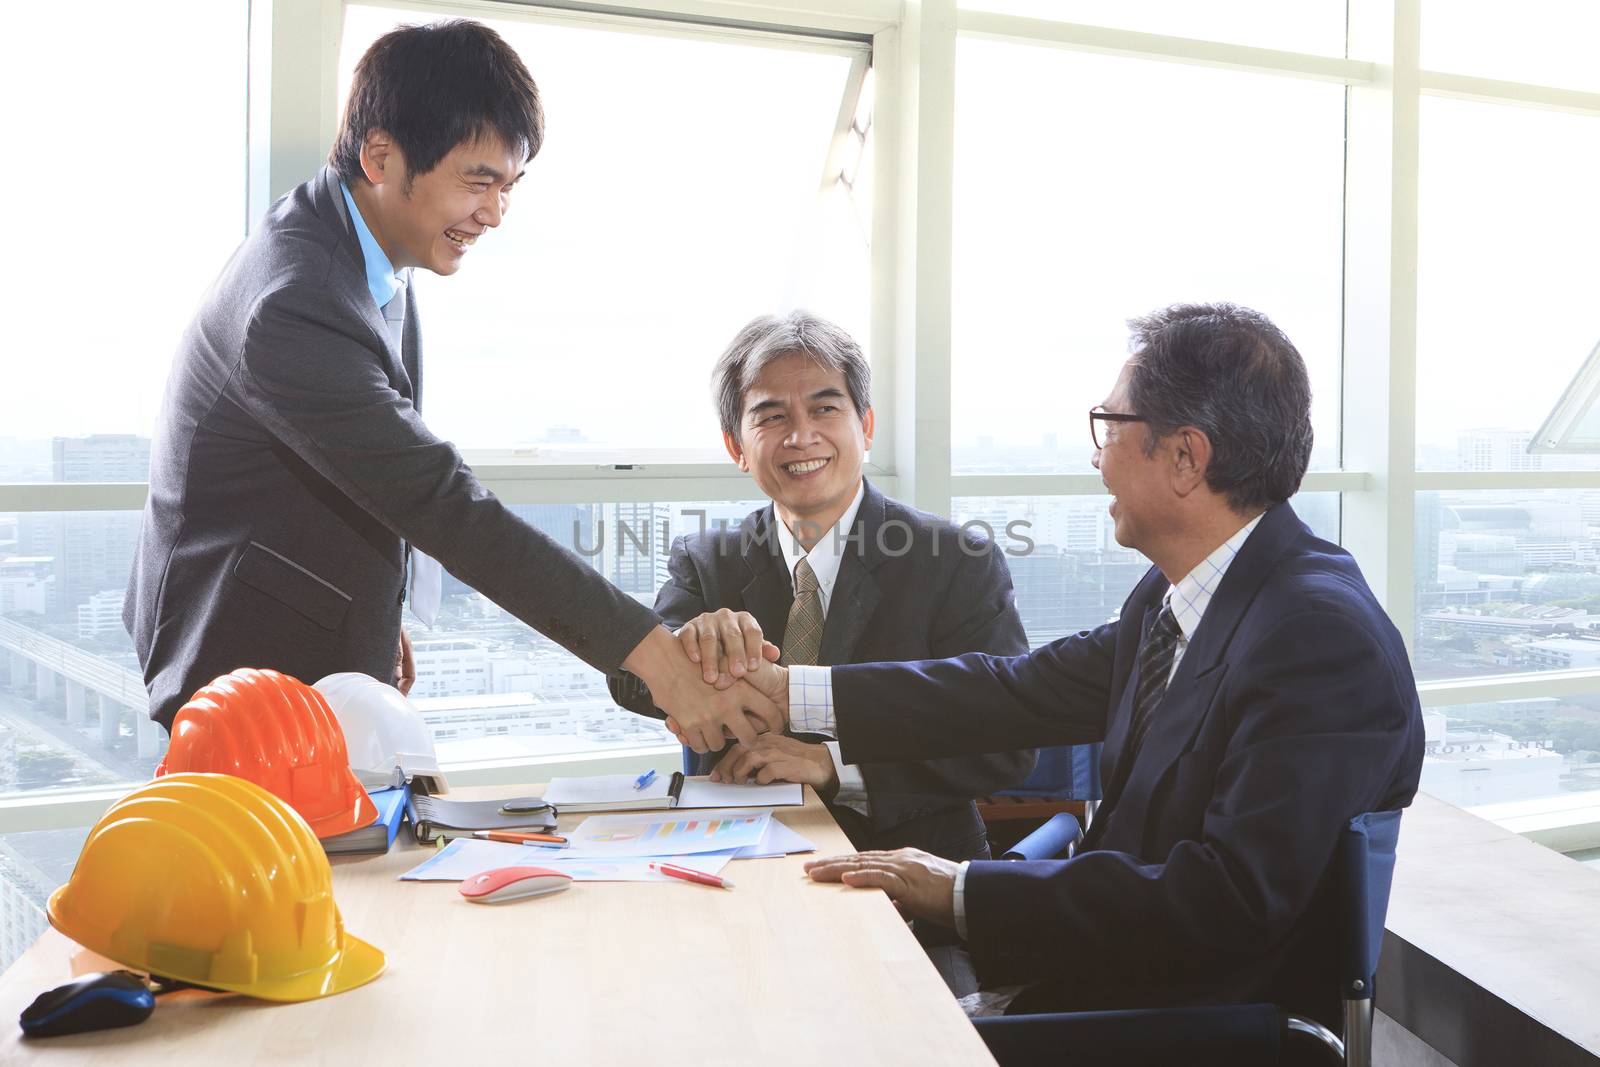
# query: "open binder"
434,817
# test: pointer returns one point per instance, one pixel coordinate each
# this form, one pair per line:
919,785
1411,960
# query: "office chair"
1066,778
1237,1035
1064,772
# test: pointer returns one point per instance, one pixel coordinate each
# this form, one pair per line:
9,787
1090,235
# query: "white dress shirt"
825,557
811,688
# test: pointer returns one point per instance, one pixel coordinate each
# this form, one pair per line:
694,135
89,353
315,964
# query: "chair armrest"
1048,842
1246,1035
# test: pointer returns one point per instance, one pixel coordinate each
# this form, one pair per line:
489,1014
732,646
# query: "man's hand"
772,681
405,665
699,715
921,884
727,644
776,758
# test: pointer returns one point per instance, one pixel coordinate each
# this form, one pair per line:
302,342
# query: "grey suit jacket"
911,586
289,469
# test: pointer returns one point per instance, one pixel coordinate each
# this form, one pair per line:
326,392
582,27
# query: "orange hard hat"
210,879
279,733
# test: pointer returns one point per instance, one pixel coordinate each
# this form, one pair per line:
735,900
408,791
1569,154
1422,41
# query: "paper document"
663,834
613,792
699,793
465,857
778,841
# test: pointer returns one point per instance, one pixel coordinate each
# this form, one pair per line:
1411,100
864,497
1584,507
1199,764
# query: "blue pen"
645,779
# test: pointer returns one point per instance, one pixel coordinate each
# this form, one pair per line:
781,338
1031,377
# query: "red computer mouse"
513,883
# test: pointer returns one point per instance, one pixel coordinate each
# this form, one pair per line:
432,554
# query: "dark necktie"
1155,666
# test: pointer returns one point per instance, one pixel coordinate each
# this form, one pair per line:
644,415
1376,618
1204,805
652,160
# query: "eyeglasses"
1099,414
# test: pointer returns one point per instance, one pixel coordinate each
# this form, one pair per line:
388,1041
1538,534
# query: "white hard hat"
388,741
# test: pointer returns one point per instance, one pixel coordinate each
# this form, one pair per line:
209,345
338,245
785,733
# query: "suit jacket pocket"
292,585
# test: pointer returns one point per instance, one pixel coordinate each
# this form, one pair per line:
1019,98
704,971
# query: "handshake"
717,679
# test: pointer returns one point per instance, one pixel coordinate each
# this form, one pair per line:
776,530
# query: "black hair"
434,87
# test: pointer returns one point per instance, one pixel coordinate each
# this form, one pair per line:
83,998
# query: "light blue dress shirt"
381,278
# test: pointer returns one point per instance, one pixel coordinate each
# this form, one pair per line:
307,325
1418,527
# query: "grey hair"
771,337
1228,371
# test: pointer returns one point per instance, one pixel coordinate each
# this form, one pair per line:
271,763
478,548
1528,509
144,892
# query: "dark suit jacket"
290,467
1203,875
908,588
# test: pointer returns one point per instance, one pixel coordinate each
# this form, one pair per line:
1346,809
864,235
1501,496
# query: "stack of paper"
619,848
464,857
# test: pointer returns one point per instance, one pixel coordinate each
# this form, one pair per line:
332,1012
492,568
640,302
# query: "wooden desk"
780,970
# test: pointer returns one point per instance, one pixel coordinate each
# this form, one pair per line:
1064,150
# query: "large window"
1103,159
1315,26
1506,276
74,713
1090,189
682,190
126,188
1548,42
1506,549
1507,581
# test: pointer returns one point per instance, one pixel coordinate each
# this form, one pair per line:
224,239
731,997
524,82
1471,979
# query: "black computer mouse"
100,1001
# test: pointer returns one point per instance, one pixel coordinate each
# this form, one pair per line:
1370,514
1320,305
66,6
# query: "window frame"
912,47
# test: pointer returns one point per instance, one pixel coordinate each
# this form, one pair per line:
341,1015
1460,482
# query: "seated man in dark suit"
1252,697
834,572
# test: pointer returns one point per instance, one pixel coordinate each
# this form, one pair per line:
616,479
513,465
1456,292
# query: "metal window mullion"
73,496
595,484
1378,415
1468,481
21,812
294,70
1445,692
963,485
924,191
1517,94
1161,47
791,30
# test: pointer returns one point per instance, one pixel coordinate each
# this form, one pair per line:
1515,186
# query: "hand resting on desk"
922,885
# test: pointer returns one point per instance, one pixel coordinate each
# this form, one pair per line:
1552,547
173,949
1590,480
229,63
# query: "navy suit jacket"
910,586
1202,878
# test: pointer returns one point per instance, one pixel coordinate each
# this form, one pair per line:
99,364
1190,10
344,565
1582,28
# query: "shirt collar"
382,280
1192,595
826,555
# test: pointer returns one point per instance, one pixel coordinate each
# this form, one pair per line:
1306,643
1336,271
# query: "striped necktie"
802,635
1155,668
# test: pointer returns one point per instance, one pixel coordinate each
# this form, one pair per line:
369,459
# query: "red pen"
691,876
517,837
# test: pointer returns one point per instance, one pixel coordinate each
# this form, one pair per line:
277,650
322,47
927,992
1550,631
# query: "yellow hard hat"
210,879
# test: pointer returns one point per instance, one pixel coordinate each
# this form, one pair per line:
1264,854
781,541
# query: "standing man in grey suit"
292,474
835,572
